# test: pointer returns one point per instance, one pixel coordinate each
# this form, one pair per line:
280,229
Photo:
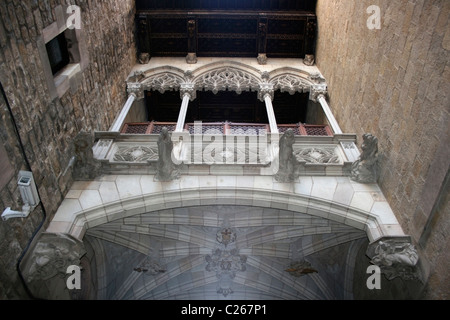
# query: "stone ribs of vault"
220,252
158,235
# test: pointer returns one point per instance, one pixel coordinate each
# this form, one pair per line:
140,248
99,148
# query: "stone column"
331,119
266,95
187,92
123,114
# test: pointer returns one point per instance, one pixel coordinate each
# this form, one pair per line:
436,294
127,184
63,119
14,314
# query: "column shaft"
271,114
183,113
331,119
118,123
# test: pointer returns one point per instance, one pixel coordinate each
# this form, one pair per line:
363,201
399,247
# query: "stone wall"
47,126
394,82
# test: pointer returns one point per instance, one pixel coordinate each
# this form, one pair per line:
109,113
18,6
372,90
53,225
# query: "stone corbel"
396,257
45,267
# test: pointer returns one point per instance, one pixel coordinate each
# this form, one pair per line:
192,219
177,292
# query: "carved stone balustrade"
216,152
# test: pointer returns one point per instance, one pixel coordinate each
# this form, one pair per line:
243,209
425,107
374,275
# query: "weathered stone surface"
48,128
394,83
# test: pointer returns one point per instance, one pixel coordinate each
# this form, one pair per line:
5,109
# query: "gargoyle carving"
396,259
45,267
166,170
287,160
365,169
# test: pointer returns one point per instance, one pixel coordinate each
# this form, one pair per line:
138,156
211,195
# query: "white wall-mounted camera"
29,194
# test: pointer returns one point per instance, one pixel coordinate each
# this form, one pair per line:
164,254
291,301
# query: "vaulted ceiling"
225,252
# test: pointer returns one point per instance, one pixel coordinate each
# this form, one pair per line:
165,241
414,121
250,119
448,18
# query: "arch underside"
167,240
180,240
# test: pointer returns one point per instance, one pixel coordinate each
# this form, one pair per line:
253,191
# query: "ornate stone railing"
225,154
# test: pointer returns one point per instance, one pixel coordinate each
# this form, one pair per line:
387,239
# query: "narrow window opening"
58,53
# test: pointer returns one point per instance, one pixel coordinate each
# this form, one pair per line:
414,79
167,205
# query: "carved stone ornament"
365,169
300,269
163,82
262,59
309,60
136,154
290,83
287,168
191,58
150,267
318,155
144,58
226,236
45,266
166,170
396,258
86,166
225,260
224,79
137,89
318,90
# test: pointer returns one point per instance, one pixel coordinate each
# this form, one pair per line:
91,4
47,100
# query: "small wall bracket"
29,194
11,214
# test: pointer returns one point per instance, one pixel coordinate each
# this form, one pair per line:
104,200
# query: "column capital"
266,89
136,89
318,90
188,89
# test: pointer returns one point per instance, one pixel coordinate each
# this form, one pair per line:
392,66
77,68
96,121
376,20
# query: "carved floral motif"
228,79
318,155
136,154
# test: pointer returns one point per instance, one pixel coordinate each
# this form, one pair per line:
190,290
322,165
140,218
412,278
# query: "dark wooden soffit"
252,5
226,33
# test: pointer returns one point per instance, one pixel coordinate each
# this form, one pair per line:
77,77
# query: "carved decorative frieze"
290,83
318,155
136,154
163,82
227,79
